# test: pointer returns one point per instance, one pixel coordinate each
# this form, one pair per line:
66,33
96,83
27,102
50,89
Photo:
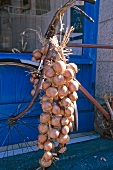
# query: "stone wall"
104,72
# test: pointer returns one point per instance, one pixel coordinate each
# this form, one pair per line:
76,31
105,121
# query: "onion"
55,121
40,145
66,102
45,164
47,156
46,106
46,99
56,109
51,92
42,138
72,105
62,112
43,128
34,75
56,97
69,111
63,91
71,118
73,86
32,79
53,133
48,145
59,67
63,139
69,73
33,59
58,80
36,81
64,121
49,72
33,92
37,54
45,117
46,84
65,130
70,125
53,144
72,66
73,96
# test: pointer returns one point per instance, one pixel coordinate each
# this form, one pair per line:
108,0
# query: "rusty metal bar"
90,46
102,110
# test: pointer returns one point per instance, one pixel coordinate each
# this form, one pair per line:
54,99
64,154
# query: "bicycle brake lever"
90,1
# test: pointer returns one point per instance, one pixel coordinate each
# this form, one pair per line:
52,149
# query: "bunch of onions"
37,54
56,121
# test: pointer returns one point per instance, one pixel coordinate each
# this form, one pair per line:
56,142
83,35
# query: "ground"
96,154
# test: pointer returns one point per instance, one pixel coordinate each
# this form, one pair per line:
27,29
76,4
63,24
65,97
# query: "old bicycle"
18,115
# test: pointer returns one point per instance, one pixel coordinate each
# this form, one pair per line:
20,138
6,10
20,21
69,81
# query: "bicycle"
20,114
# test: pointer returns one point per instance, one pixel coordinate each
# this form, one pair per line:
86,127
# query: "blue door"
86,62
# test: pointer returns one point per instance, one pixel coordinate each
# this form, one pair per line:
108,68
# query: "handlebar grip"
90,1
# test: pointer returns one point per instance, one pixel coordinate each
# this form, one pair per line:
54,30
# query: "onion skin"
40,145
71,118
51,92
53,133
34,75
49,72
62,91
70,125
33,92
46,84
46,106
65,130
69,111
42,138
33,59
66,102
37,54
32,79
36,81
45,164
63,139
62,112
58,80
72,66
69,74
55,121
45,117
73,86
73,96
48,145
47,156
46,99
56,109
43,128
59,67
64,121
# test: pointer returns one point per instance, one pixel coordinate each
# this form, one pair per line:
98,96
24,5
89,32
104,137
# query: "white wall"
104,73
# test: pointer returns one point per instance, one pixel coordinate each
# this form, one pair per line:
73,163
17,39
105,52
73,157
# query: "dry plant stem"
52,26
66,37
